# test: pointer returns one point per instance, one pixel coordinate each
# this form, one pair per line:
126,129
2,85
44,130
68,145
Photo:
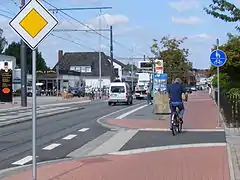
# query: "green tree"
14,50
224,81
128,67
224,10
232,66
3,41
174,57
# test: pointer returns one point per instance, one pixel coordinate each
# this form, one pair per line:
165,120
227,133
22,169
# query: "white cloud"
124,30
109,20
202,36
187,20
85,1
184,5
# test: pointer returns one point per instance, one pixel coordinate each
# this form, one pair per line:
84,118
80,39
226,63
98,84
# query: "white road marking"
70,136
160,148
83,129
23,161
112,113
51,146
115,143
130,112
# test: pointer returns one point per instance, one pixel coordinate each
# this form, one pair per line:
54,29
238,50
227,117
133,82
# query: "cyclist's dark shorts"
173,106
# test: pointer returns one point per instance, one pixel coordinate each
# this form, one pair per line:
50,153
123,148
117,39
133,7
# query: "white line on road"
162,148
83,129
51,146
70,136
130,112
115,143
23,161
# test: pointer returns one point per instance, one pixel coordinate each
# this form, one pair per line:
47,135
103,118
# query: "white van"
120,92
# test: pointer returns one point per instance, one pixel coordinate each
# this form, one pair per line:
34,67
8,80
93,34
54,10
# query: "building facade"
84,66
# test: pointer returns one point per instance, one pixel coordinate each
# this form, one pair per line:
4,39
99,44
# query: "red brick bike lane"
198,163
200,113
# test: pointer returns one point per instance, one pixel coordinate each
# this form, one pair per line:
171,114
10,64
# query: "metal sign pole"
218,98
218,89
30,37
34,164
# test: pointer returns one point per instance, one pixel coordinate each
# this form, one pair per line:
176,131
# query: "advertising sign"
159,66
6,80
163,82
160,82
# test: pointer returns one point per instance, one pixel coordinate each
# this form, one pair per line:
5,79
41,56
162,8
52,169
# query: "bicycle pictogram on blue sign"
218,58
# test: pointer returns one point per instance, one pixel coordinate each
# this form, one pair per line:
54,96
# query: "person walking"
149,95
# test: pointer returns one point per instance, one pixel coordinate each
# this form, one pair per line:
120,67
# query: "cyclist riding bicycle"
175,92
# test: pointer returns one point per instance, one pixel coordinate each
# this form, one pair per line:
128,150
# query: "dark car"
189,90
76,92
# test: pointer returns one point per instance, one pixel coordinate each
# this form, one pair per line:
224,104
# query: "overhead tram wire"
75,27
15,3
80,40
6,16
8,12
66,39
66,14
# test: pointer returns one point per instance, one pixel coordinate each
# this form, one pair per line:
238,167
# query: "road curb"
167,147
41,116
102,122
5,173
5,110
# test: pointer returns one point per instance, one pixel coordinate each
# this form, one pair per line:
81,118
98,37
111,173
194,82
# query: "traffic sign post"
33,24
218,58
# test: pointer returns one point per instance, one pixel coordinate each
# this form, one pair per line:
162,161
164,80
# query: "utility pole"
23,64
132,67
57,79
111,54
100,54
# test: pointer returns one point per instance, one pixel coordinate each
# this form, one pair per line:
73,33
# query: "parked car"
193,88
76,92
189,90
29,92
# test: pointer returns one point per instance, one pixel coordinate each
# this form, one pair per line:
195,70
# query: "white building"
76,66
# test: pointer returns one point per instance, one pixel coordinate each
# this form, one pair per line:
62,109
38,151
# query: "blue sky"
135,24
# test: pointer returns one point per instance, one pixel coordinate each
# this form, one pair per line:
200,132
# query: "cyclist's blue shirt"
175,91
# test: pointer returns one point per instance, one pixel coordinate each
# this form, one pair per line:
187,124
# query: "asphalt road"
147,139
56,136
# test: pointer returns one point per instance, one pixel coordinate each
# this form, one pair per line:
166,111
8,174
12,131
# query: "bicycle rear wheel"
179,126
173,124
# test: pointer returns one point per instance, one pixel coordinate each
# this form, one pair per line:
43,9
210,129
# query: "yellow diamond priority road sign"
33,23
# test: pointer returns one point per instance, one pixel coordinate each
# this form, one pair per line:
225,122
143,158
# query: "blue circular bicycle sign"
218,58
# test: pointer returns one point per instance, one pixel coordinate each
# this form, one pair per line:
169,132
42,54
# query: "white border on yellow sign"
51,23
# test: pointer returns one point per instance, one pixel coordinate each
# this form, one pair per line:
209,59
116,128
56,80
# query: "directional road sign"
33,23
218,58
